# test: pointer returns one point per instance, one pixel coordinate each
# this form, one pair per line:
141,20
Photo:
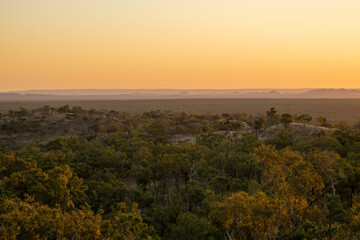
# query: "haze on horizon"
189,44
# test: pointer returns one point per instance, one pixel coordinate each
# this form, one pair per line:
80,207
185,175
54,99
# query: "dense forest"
71,173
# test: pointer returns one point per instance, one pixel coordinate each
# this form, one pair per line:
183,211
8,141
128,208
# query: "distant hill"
332,93
133,94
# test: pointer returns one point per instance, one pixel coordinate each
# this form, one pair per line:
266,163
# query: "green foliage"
126,176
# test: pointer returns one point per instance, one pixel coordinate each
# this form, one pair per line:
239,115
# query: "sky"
184,44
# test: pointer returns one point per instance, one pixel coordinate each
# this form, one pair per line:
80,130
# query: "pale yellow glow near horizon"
48,44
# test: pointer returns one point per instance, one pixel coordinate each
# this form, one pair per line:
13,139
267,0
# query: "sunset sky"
49,44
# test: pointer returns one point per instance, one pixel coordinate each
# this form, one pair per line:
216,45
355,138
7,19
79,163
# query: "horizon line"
209,89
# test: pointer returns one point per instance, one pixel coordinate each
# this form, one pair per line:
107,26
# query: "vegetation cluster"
70,173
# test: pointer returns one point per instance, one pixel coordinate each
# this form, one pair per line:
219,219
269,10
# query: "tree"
304,119
192,195
31,220
64,109
242,216
189,226
327,164
126,223
323,121
142,174
54,186
272,117
286,119
259,124
292,183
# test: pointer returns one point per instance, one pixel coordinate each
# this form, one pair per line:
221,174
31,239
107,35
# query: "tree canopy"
168,175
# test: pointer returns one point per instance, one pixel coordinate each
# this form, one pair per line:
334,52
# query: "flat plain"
336,110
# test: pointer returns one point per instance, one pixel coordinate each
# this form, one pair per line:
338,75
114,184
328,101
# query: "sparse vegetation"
334,110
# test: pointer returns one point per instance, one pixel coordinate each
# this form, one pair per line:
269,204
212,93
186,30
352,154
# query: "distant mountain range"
133,94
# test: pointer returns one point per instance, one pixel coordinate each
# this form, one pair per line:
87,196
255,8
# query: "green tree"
286,119
304,119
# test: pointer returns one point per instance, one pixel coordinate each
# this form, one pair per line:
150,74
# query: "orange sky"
46,44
